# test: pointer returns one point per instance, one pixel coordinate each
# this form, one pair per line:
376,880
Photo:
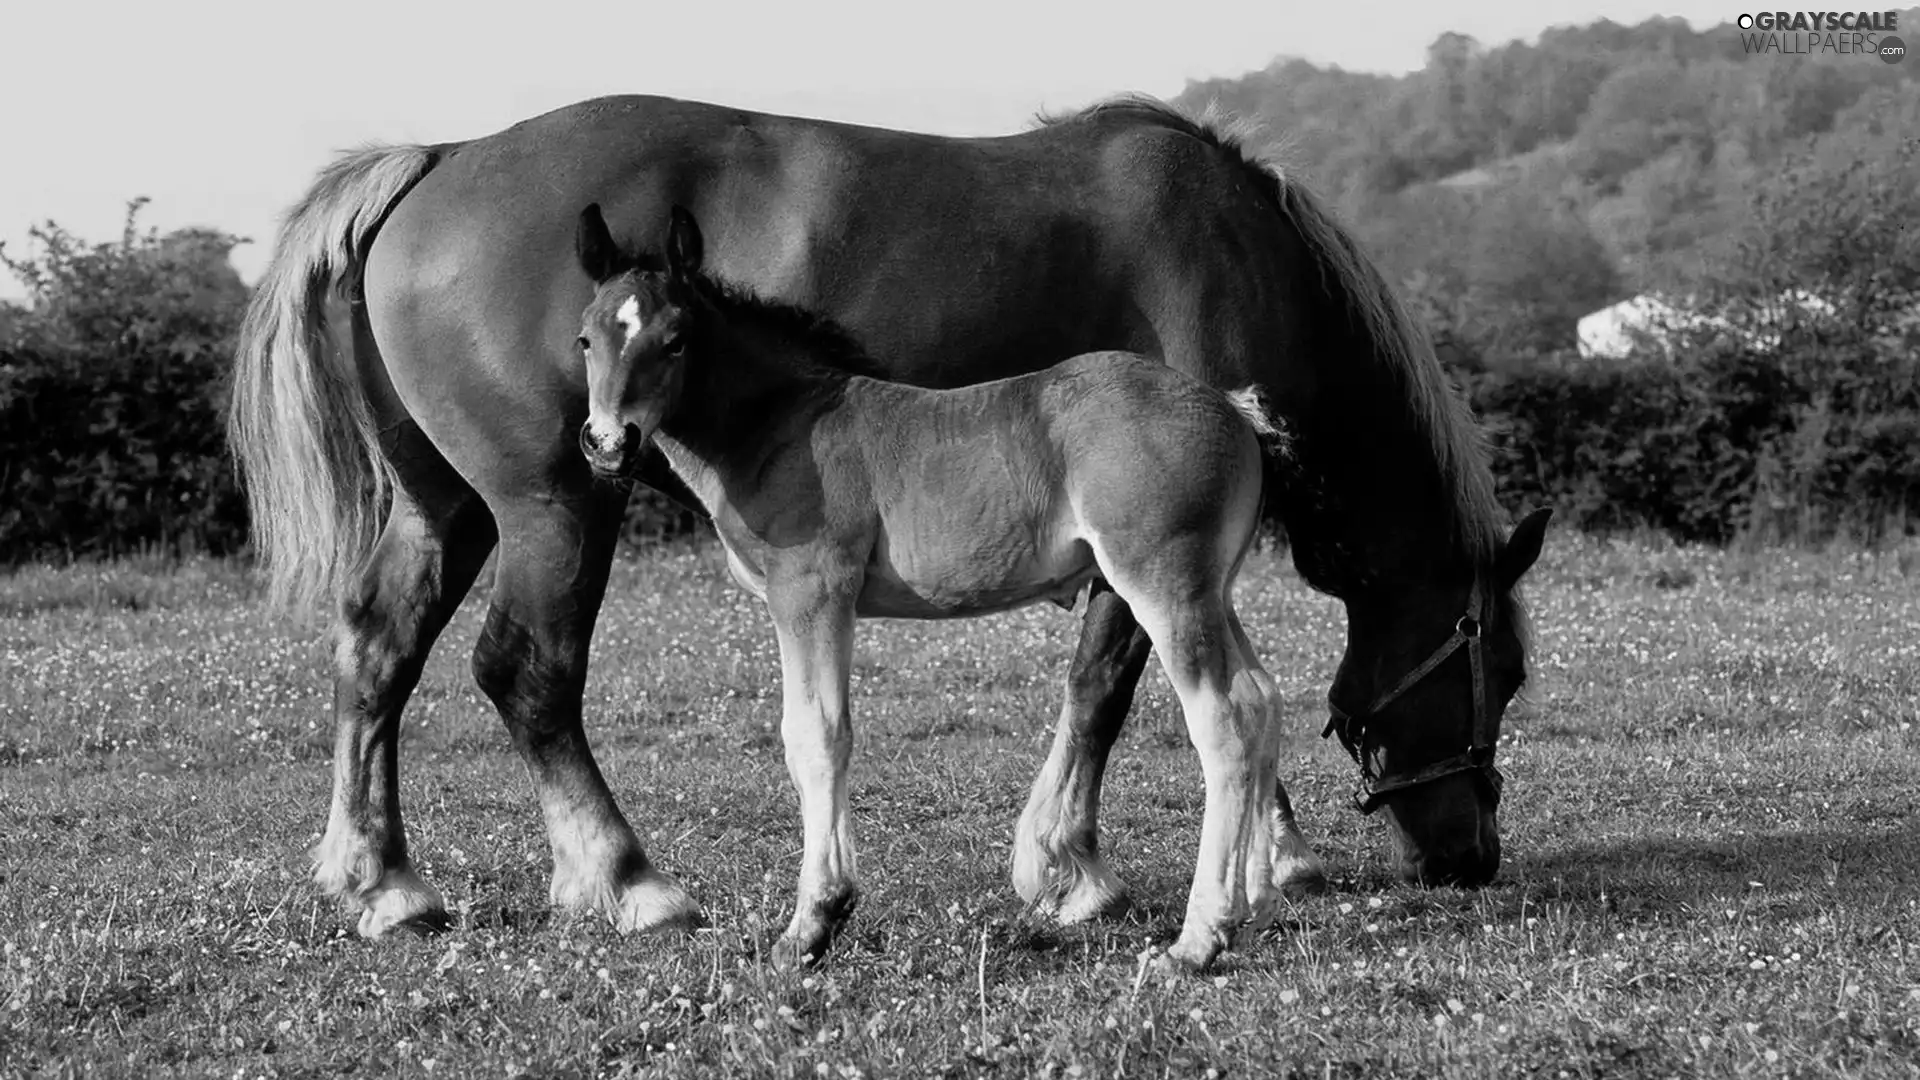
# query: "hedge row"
125,452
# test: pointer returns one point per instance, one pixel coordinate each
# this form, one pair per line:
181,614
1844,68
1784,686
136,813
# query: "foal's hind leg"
1233,722
1296,866
1057,866
531,660
436,539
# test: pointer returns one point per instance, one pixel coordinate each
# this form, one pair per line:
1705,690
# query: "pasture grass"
1713,865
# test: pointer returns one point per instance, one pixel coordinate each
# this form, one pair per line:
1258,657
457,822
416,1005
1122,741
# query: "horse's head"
634,337
1428,671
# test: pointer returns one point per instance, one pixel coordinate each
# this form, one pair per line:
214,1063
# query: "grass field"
1712,831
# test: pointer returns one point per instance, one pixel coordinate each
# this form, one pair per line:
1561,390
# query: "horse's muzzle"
614,457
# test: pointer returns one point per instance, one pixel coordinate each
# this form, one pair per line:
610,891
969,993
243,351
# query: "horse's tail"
299,422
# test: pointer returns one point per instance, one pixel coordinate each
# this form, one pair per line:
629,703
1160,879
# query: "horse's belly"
967,573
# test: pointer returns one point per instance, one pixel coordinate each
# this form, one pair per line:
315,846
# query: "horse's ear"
593,243
1517,555
685,247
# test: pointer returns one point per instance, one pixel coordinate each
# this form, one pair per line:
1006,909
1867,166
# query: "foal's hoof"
1174,964
791,954
425,924
813,930
1189,955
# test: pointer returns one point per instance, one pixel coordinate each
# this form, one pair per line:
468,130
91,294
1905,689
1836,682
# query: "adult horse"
1125,226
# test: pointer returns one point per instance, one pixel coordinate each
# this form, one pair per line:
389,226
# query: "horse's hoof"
655,902
402,900
1300,877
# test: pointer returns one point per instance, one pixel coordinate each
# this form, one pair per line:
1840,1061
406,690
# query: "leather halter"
1478,756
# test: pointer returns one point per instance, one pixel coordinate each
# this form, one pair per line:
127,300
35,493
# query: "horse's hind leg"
436,539
531,660
1057,866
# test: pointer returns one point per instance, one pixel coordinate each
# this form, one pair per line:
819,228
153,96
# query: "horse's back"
938,252
953,261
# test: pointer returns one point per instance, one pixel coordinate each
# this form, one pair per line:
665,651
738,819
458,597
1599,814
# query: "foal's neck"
745,388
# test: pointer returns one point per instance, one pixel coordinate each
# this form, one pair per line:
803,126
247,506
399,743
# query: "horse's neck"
1362,517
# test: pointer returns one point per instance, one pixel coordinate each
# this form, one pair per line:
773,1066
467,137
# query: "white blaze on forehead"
606,427
629,319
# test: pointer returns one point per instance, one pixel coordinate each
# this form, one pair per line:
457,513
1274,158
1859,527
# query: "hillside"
1514,188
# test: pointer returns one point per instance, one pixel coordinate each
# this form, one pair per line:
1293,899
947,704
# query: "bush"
112,391
1793,413
1795,444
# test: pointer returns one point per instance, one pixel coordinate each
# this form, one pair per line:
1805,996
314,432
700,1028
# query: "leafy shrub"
1727,442
1793,414
112,389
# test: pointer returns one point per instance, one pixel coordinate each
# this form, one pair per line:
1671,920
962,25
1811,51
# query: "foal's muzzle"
614,457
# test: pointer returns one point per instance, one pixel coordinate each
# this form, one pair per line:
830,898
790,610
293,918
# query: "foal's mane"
823,341
1355,284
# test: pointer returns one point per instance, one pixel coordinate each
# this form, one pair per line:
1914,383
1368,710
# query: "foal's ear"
685,247
1517,555
593,243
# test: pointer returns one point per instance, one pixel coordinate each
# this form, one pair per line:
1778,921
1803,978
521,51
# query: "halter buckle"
1477,758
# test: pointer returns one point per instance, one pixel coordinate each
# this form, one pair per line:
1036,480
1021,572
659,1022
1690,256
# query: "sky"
221,112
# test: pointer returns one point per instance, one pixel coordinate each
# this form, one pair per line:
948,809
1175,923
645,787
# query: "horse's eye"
583,343
676,348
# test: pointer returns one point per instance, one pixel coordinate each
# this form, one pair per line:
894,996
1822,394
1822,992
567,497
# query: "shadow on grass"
1794,869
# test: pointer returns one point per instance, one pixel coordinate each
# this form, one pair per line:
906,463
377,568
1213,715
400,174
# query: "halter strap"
1478,756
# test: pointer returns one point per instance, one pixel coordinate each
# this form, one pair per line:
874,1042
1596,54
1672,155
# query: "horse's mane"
825,342
1354,283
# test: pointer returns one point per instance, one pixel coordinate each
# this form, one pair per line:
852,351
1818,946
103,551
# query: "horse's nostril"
590,440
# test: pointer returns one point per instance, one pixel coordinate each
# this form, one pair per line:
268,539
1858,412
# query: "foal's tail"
301,428
1250,403
1276,441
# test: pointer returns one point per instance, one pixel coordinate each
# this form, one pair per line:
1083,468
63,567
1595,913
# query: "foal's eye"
584,344
676,348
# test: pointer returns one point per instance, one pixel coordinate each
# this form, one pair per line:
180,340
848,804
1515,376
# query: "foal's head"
634,336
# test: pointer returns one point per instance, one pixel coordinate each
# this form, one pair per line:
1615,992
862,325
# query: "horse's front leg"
813,617
1057,864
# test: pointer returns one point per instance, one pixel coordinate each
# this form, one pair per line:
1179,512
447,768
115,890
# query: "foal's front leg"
813,618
